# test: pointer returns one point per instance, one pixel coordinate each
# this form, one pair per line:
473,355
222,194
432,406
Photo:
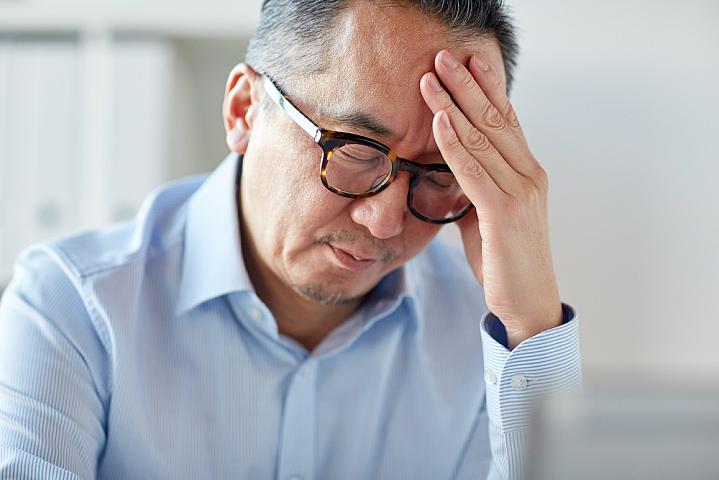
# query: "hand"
506,237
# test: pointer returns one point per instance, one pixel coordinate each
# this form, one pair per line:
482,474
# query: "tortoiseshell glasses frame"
330,140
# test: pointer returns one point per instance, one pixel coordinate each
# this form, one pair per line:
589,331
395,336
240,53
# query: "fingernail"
479,64
434,83
448,60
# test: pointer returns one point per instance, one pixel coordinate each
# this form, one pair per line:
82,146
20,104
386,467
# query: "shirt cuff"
545,363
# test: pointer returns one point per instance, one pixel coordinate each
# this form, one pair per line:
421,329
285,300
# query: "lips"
356,256
350,261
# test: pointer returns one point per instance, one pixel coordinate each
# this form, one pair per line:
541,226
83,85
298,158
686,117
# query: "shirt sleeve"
548,362
52,369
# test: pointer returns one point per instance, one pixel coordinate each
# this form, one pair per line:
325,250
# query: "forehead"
380,52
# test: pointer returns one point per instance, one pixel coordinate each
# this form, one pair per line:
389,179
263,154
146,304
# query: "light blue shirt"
141,351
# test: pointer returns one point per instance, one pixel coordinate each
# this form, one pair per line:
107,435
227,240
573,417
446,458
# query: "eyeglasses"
354,166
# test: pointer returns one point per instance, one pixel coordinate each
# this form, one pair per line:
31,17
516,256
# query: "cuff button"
519,382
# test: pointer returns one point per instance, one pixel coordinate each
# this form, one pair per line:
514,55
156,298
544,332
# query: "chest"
228,404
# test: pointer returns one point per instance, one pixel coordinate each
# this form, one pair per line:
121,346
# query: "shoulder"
60,279
157,228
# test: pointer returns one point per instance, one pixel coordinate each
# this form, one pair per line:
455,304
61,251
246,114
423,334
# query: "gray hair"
292,34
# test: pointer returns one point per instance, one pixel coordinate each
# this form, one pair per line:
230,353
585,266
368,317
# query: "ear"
239,109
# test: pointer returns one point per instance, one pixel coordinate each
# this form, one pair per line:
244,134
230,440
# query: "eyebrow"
361,120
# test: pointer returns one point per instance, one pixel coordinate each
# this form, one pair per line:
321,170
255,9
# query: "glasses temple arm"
298,117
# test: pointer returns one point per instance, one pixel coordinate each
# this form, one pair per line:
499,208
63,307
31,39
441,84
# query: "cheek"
308,212
306,204
286,200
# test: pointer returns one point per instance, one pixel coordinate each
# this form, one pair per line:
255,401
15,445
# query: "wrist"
519,330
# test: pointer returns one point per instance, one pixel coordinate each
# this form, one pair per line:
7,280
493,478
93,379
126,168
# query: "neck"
297,316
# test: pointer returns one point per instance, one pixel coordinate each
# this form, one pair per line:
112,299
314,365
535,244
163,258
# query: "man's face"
302,232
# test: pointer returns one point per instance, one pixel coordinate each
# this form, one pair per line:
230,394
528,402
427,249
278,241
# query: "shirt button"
304,371
519,382
294,477
255,313
490,377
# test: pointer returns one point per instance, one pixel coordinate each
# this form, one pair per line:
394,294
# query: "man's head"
352,66
295,38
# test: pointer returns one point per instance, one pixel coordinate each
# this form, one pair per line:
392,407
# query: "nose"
384,214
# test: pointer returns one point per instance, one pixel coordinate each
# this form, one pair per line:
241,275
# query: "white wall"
619,101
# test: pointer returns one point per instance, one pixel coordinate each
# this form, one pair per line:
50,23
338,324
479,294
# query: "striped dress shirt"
142,351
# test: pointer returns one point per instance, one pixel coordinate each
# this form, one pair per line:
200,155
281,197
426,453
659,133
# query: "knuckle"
543,181
452,143
492,117
511,115
528,195
477,142
526,183
540,176
472,168
536,187
448,105
467,81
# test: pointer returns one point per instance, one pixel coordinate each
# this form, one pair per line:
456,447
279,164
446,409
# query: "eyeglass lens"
359,169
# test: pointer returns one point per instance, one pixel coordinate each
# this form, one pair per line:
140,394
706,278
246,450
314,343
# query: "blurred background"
103,100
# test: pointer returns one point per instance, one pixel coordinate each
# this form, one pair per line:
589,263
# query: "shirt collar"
409,285
212,263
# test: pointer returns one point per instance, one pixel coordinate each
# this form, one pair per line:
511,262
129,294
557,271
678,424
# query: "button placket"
297,449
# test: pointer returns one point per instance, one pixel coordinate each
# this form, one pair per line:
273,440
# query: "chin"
323,294
333,289
323,280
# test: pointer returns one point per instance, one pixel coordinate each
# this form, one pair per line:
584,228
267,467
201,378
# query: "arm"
53,368
548,362
506,241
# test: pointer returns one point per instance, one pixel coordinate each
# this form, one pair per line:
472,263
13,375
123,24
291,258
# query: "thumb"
472,241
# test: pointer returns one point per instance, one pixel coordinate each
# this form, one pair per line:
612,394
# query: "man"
290,316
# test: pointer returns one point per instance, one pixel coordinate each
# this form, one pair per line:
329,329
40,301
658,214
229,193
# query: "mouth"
349,260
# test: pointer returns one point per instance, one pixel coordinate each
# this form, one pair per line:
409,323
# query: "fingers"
480,94
475,142
471,175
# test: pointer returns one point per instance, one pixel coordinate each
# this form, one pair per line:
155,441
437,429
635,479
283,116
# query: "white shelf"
209,21
122,134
